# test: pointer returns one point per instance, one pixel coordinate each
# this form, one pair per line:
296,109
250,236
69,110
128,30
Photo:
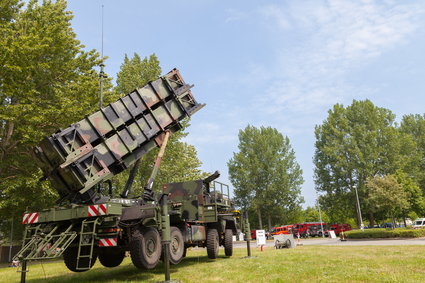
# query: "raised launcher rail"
112,139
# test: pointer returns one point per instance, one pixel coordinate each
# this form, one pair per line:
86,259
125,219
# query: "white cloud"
235,15
210,133
336,37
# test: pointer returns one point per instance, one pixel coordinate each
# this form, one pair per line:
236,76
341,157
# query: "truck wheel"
70,259
111,257
212,243
228,242
145,248
176,245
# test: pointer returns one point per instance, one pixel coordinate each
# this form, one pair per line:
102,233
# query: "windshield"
419,222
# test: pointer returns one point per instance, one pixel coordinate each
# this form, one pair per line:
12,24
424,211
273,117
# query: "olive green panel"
210,214
74,212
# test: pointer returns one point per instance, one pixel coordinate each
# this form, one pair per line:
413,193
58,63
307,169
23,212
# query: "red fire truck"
339,227
286,229
307,229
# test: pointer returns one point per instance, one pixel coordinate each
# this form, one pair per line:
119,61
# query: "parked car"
419,223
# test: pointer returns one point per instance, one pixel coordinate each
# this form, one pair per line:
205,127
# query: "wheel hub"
175,245
150,246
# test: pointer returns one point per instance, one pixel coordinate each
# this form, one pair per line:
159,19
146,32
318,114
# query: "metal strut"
148,194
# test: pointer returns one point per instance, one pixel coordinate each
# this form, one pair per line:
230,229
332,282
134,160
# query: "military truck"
88,223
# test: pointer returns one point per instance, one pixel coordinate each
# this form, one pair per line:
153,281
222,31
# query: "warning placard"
261,237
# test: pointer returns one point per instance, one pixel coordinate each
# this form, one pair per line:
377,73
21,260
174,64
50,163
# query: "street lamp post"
359,212
320,217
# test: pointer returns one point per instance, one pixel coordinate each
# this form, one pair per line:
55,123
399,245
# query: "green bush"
385,233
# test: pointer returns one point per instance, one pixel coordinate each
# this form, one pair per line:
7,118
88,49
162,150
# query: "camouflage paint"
194,202
110,140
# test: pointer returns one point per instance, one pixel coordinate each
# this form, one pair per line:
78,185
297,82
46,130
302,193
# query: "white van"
419,223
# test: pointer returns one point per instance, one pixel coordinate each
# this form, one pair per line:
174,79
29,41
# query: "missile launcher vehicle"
87,224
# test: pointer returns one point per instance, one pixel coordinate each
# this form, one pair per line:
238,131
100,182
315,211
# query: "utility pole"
320,217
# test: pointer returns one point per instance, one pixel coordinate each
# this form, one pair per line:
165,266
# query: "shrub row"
385,233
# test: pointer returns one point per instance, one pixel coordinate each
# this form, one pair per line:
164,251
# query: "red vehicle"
286,229
339,227
253,234
307,229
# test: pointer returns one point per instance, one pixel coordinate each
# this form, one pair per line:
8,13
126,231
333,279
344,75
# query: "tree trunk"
393,219
371,219
260,220
405,223
269,220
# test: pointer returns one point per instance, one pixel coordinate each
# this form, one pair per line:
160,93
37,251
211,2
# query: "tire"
176,246
212,243
111,257
228,242
288,244
145,248
70,259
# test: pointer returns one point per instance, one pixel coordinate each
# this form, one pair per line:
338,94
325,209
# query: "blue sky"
269,63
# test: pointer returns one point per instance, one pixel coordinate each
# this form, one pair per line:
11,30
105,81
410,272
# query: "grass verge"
302,264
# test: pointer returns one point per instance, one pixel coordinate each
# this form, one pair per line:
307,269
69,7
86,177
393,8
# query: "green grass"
385,233
301,264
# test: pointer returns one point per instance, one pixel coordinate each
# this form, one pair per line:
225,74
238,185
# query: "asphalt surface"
338,242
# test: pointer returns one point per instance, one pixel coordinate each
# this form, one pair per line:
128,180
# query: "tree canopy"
135,72
48,80
414,125
386,195
354,143
265,173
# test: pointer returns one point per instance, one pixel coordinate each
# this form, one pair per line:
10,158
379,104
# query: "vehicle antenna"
102,73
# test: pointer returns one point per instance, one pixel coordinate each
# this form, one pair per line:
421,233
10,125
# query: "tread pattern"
176,253
228,242
212,243
139,243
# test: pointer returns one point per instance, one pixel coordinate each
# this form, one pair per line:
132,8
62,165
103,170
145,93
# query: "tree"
415,195
135,72
414,125
355,143
180,161
387,195
47,81
265,173
311,214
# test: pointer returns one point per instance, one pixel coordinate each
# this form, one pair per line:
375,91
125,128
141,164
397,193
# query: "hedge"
385,233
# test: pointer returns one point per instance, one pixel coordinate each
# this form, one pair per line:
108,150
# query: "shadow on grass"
124,272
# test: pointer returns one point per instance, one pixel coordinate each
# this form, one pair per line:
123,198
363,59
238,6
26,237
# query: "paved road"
337,242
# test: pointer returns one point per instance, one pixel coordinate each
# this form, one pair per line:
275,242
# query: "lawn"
302,264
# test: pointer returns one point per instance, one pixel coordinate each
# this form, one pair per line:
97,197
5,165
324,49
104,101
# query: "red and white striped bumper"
96,210
30,218
108,242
